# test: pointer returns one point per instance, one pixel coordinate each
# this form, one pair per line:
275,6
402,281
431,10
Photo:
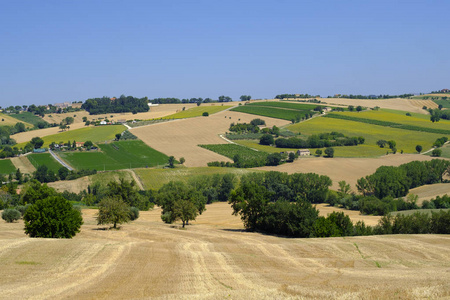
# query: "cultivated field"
406,139
156,178
44,159
116,156
279,110
6,166
427,192
215,259
24,137
348,169
181,137
198,111
22,163
6,120
28,118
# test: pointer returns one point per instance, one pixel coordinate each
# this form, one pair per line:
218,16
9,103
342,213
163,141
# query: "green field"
397,119
272,112
413,211
6,167
444,103
406,139
94,134
156,178
197,111
116,156
230,150
6,120
46,159
445,151
28,118
286,105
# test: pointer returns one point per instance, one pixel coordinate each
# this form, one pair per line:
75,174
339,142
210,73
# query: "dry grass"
181,137
348,169
23,163
215,259
427,192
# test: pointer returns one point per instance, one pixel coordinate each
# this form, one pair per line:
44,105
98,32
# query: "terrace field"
116,156
6,167
44,159
406,139
94,134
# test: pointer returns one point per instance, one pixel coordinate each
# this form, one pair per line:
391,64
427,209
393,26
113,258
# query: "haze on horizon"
57,51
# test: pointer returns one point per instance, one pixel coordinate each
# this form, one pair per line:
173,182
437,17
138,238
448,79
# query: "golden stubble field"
215,259
181,138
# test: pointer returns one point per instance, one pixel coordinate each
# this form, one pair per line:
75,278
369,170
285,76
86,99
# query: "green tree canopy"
113,210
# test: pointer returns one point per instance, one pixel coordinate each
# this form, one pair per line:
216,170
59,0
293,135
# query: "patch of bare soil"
181,138
73,186
22,163
214,258
348,169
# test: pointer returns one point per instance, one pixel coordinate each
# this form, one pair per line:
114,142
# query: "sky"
56,51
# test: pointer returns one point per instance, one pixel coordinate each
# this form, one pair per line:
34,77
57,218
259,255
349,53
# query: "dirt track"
214,259
181,138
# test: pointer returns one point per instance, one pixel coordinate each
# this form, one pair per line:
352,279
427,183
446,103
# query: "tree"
112,210
184,210
63,172
74,145
11,215
436,153
37,142
318,152
205,114
344,188
382,143
63,127
128,192
52,217
419,148
182,160
88,145
171,162
34,191
273,159
266,139
118,136
392,144
351,108
245,97
19,176
358,108
329,152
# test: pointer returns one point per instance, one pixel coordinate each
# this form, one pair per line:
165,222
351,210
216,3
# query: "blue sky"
54,51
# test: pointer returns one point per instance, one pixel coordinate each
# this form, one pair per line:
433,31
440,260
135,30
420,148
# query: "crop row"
272,112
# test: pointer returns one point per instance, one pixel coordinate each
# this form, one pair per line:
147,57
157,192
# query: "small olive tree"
11,215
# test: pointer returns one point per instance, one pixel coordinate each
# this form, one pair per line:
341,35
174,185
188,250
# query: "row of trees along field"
107,105
196,100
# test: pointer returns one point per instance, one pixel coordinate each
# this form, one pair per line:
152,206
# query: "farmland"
279,110
6,167
44,159
28,117
396,119
197,111
214,258
156,178
116,156
406,139
7,120
230,150
94,134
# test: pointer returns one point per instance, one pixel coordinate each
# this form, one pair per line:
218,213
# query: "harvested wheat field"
215,259
26,136
427,192
181,138
348,169
22,163
409,105
157,111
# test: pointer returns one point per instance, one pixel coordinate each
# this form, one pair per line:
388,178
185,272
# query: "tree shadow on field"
235,230
106,228
260,232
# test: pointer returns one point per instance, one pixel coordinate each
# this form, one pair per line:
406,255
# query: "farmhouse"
76,105
79,144
303,152
63,105
445,91
327,109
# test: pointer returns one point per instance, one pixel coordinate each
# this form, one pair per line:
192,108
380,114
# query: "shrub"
134,213
329,152
266,139
436,153
11,215
52,217
23,208
205,114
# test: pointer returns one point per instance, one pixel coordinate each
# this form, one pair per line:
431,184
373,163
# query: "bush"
266,139
11,215
205,114
134,213
52,217
329,152
23,208
436,153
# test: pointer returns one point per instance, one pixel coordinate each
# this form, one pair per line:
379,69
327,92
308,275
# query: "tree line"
124,103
